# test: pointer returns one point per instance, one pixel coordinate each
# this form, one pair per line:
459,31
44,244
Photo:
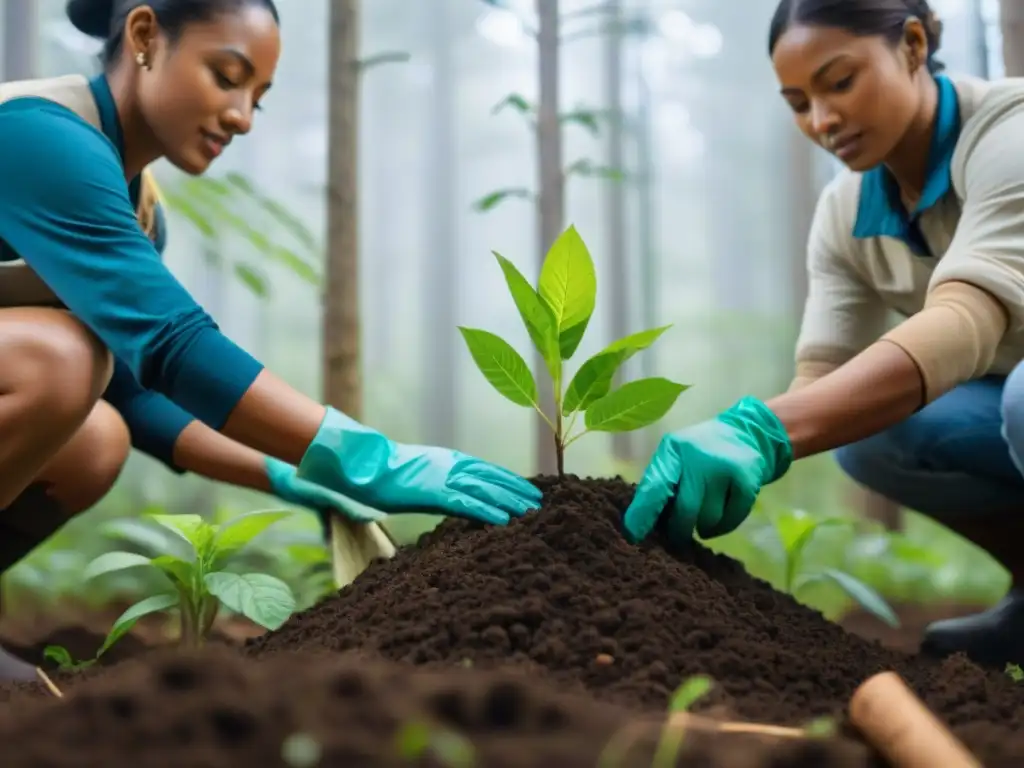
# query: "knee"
1012,407
89,464
867,461
57,364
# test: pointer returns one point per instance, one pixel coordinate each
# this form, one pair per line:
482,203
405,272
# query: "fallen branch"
45,679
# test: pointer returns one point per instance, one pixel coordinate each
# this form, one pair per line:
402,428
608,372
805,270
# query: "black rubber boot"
993,638
32,518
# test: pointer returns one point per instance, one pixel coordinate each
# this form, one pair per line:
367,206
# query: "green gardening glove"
365,465
707,476
286,485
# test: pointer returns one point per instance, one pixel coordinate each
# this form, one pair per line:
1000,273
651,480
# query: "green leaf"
252,279
591,170
865,596
821,728
259,597
689,692
491,201
637,342
413,740
536,314
388,57
516,102
586,118
634,405
128,619
594,378
568,284
592,381
188,527
501,365
241,530
179,571
59,655
114,561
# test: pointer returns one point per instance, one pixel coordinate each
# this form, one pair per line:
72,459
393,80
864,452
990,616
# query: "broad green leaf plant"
198,580
556,314
795,529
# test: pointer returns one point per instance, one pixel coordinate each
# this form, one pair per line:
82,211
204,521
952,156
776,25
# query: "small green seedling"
685,696
556,314
1014,672
199,584
795,530
671,741
417,740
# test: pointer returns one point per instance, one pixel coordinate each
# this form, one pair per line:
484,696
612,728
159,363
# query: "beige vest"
19,285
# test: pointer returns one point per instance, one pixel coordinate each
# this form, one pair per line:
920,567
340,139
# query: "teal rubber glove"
707,477
286,485
360,463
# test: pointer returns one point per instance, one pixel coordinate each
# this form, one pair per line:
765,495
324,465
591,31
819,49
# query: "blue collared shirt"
880,212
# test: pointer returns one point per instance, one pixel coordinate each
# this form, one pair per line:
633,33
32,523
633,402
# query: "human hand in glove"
349,460
707,477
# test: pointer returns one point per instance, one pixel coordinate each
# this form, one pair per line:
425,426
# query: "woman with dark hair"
101,348
926,222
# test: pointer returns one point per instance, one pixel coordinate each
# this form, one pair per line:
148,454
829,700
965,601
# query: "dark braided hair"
860,17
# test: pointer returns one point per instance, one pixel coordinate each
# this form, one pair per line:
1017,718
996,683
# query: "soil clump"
537,642
560,591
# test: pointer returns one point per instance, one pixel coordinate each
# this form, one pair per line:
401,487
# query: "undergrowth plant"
795,529
198,581
556,313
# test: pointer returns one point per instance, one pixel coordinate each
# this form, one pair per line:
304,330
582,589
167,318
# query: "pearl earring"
140,59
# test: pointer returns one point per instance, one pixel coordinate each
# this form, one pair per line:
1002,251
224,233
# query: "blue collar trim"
880,212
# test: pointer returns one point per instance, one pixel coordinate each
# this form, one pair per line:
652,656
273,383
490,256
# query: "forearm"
274,418
876,389
207,452
953,339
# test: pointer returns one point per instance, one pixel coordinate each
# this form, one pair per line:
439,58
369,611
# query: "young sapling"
198,582
795,529
556,314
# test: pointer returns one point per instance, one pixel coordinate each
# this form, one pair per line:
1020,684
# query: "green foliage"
588,119
672,735
417,740
233,205
556,314
1014,672
197,578
795,529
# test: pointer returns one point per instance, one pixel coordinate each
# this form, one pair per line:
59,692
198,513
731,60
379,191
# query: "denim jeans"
961,455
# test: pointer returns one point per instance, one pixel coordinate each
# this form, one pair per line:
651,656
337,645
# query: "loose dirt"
589,633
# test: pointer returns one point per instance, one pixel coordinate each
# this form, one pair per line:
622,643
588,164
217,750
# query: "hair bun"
91,17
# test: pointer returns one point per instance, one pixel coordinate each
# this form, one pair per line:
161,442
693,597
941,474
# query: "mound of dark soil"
562,595
216,709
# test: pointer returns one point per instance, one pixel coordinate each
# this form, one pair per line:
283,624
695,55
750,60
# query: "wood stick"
698,723
45,678
898,724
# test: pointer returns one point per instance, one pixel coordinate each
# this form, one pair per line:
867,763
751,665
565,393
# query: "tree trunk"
342,385
440,301
615,210
1011,21
21,33
551,200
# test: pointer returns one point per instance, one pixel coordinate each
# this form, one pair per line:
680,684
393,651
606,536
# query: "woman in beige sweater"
927,222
